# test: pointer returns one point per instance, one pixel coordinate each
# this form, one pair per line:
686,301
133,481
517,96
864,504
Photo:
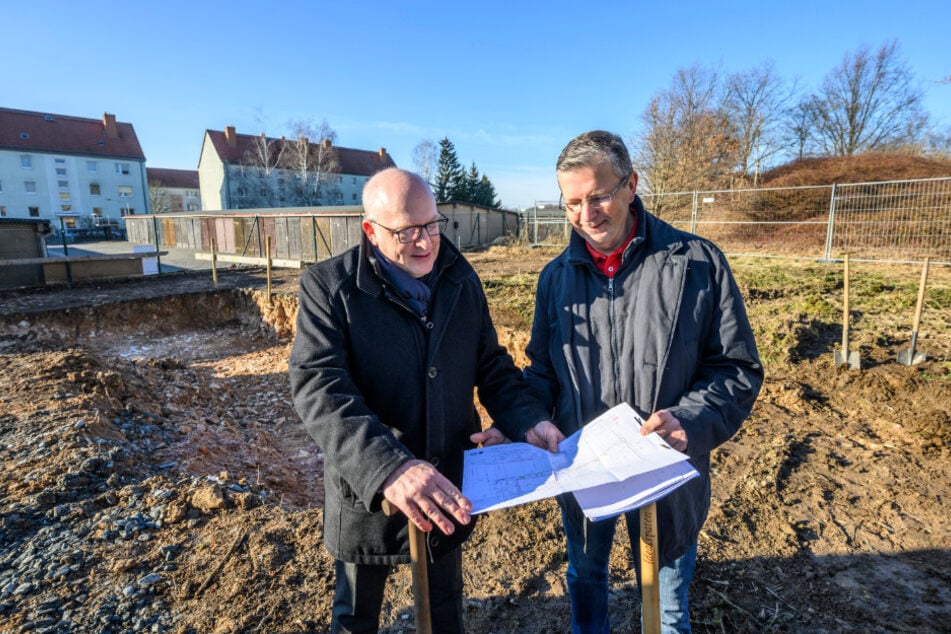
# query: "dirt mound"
861,168
156,479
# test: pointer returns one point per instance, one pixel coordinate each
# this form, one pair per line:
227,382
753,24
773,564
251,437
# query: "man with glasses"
392,338
637,311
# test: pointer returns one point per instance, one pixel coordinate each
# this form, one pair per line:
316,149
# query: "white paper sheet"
608,464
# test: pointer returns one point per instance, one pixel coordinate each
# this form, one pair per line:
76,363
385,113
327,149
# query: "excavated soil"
157,479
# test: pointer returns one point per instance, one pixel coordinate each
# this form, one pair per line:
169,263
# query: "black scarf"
415,291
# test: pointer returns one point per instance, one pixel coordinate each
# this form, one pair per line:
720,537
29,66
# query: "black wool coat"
376,385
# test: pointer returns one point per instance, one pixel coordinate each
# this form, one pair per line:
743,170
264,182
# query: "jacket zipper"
614,340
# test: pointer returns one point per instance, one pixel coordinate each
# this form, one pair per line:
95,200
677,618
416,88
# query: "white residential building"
173,191
233,175
74,172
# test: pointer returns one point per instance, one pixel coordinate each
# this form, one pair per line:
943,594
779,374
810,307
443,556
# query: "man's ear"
369,230
632,185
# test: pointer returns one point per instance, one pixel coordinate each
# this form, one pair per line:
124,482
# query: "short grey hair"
592,148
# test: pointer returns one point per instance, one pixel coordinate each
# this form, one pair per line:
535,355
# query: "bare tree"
158,198
686,141
312,158
802,120
424,159
261,183
869,102
757,103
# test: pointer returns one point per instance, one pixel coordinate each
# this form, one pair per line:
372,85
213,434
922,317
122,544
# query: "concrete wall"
22,239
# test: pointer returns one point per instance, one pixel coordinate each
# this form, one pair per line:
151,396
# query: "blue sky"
508,82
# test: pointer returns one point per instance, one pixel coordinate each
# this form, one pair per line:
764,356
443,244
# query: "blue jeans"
588,573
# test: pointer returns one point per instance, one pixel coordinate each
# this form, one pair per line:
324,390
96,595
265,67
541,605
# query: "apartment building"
242,171
75,172
173,191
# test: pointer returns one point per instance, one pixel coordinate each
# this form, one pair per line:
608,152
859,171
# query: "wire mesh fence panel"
789,222
902,221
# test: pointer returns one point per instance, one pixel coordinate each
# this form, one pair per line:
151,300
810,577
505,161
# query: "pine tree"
449,172
486,194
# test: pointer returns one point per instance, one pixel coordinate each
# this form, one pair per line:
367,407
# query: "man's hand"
424,495
489,437
545,435
667,427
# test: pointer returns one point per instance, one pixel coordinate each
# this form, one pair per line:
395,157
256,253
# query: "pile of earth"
156,479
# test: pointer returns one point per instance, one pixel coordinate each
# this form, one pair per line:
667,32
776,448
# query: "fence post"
693,215
260,246
313,231
158,258
827,256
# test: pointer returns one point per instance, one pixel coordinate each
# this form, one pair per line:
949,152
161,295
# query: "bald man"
392,338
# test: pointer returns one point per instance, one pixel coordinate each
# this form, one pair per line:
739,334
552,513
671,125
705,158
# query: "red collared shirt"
609,264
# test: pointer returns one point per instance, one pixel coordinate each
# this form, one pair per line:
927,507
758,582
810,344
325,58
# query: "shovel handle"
845,311
921,295
650,570
417,556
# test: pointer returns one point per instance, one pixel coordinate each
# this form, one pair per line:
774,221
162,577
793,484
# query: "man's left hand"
667,427
489,437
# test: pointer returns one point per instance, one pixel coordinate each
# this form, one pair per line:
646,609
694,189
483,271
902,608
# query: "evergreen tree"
486,194
471,190
449,173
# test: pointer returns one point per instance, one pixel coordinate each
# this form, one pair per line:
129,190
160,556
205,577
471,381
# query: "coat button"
434,541
434,461
429,325
432,372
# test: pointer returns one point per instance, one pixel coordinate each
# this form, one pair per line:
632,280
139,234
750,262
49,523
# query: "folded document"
607,464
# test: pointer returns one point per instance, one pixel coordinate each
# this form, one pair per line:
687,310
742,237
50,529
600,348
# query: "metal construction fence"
305,235
895,221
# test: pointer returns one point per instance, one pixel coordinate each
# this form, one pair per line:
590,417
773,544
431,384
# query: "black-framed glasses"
594,202
413,233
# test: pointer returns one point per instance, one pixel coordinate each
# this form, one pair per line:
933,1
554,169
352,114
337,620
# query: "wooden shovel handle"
417,556
650,570
921,295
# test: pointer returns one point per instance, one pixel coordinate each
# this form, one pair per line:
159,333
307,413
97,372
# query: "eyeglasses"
413,233
594,202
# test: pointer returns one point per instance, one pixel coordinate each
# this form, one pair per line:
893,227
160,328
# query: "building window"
128,211
34,212
1,187
91,167
30,186
97,212
354,196
61,171
122,168
94,189
62,184
26,162
3,211
66,207
64,195
124,191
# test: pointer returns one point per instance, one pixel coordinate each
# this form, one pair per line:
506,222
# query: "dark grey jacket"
669,331
376,386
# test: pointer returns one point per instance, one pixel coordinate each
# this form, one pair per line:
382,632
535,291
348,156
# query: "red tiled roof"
186,179
355,162
60,134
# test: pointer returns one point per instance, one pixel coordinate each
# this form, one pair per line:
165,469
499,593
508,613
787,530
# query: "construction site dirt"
156,478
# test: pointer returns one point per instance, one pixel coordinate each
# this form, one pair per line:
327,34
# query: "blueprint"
608,465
